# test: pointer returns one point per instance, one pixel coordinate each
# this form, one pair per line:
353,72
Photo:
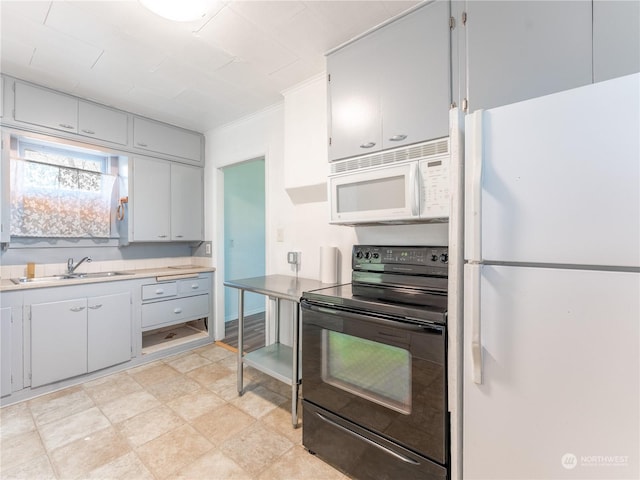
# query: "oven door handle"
368,440
378,318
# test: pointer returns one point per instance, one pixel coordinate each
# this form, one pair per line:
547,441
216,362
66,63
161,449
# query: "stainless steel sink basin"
73,276
100,274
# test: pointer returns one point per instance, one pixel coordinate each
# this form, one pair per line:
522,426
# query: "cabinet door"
616,39
186,202
355,126
109,330
526,49
416,85
150,200
103,123
58,341
5,351
167,139
45,108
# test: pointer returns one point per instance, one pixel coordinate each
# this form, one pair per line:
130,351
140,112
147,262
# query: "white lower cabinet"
73,337
108,330
181,301
5,351
58,341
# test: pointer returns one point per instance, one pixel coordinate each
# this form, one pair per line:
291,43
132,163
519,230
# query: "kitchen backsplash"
47,269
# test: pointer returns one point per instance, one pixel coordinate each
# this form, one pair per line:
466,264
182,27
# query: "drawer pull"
159,291
177,310
368,145
179,236
77,309
88,132
67,126
195,286
140,144
162,236
95,307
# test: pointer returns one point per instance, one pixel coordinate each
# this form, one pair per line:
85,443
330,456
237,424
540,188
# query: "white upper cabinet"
616,39
393,86
167,201
150,198
187,202
355,125
526,49
46,108
416,84
42,110
101,122
167,139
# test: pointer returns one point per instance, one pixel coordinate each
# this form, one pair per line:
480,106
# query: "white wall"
304,226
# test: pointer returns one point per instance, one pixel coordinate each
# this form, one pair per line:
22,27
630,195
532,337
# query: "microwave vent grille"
414,152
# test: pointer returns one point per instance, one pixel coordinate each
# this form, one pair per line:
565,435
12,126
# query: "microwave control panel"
435,187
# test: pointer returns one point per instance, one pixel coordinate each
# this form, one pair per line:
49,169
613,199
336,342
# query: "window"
60,191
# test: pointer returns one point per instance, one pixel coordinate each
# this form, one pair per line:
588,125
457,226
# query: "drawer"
175,311
194,285
159,290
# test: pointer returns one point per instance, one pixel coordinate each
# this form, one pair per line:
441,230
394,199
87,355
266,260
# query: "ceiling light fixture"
179,11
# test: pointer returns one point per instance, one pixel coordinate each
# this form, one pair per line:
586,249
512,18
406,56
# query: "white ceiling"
199,75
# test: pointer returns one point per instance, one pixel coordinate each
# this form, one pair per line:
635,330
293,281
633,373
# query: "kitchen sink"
73,276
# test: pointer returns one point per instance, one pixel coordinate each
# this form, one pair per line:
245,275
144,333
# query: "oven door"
382,374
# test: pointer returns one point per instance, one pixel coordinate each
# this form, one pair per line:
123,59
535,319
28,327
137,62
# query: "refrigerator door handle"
473,186
472,313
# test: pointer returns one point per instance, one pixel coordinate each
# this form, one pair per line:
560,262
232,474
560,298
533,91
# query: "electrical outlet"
207,249
293,258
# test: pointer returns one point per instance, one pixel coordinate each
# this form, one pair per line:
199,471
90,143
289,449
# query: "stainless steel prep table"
278,360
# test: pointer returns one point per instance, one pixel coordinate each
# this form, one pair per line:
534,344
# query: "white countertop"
162,273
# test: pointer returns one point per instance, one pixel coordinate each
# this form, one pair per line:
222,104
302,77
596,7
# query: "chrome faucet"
72,268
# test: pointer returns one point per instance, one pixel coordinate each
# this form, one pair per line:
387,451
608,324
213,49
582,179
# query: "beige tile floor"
178,418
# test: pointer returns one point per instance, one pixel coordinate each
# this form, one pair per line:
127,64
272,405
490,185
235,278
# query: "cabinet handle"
397,138
179,236
162,236
88,132
195,286
159,291
368,145
95,307
140,144
177,310
77,309
67,126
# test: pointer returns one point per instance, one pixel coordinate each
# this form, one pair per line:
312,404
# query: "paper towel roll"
329,264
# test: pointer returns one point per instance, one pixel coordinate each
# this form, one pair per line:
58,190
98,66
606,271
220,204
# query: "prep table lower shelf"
274,360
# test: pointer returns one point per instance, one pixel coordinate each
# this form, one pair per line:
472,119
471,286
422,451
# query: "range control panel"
418,260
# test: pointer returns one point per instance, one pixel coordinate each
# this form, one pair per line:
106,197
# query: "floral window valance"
59,201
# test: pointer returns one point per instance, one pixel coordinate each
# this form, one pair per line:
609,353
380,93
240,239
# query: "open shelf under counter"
162,338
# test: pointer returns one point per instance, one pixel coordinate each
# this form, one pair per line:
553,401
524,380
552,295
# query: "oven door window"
378,372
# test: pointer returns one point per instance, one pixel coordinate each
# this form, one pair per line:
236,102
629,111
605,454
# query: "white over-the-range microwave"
403,185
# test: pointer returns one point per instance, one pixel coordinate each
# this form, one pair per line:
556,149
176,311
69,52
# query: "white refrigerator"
552,287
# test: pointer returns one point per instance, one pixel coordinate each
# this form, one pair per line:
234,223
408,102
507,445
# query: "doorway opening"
244,247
